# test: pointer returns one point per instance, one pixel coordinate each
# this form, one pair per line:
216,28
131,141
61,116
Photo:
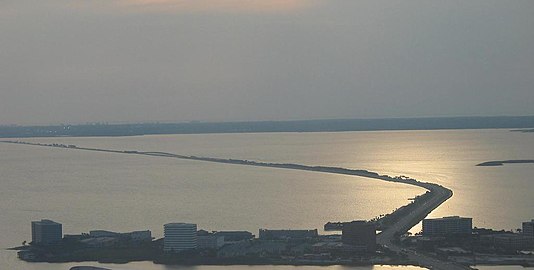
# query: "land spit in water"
523,130
502,162
88,268
392,225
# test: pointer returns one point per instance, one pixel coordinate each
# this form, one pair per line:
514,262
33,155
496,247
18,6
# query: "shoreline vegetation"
520,123
503,162
391,225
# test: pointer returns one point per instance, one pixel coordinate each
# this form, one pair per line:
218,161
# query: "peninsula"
399,225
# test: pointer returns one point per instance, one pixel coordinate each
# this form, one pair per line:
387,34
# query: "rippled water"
89,190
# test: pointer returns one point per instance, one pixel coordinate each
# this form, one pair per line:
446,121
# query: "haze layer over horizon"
235,60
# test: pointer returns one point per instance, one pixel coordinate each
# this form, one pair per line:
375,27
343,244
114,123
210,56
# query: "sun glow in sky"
217,5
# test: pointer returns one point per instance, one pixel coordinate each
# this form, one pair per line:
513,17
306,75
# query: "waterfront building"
454,225
528,228
73,237
100,242
334,226
339,248
139,236
136,236
102,233
210,241
509,241
179,237
235,236
46,232
429,243
359,233
266,234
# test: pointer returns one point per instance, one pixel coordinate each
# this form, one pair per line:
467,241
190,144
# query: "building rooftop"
46,222
179,224
447,218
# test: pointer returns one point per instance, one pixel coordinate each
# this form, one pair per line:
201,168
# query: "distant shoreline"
523,123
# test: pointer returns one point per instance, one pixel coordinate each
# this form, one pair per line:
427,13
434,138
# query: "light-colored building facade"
179,237
46,232
447,226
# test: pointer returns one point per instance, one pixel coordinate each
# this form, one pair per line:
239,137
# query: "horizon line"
165,122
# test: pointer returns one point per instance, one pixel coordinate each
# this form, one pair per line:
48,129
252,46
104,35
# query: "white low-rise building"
137,236
454,225
179,237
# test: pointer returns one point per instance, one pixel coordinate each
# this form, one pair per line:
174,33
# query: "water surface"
88,190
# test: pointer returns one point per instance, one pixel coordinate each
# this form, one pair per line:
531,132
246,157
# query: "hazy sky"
75,61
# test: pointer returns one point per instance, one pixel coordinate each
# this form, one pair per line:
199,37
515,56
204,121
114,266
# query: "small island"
524,130
502,162
88,268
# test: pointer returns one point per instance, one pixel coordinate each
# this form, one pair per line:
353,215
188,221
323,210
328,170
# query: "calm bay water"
89,190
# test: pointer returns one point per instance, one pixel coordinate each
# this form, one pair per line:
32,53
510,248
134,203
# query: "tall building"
528,228
447,226
359,233
179,237
46,232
